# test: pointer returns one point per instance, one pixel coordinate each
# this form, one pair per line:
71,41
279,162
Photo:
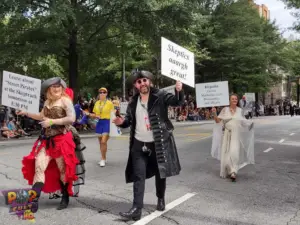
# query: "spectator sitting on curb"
13,127
5,132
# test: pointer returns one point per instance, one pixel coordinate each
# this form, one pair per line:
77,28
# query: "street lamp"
123,73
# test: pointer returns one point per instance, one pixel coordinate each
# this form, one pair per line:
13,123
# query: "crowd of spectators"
13,126
190,112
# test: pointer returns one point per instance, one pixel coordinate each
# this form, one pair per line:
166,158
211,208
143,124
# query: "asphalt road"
264,194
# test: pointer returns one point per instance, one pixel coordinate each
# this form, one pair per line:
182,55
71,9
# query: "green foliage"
84,41
291,58
242,48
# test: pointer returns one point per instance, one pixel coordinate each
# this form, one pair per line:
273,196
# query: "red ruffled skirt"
63,146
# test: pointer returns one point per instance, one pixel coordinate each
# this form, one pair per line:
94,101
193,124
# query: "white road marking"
292,134
170,206
269,149
282,140
289,143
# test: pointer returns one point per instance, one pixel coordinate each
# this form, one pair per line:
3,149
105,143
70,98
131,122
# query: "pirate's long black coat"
162,128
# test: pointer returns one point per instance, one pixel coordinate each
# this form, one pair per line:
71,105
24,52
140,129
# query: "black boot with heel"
38,186
65,197
161,205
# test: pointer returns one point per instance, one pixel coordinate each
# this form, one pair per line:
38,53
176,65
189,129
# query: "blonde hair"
51,99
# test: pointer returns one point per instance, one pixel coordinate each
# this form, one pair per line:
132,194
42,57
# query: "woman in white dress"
233,139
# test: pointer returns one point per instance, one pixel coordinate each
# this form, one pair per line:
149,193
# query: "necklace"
144,104
101,106
232,110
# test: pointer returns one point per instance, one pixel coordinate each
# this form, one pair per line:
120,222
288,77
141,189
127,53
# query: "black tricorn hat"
54,80
137,74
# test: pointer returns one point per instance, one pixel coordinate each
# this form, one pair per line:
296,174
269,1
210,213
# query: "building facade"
277,93
263,10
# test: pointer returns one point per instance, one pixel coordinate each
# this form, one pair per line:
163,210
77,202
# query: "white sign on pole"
114,131
177,62
250,97
123,107
21,92
170,89
212,94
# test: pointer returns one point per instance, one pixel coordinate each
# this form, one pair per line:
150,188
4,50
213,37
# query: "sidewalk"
85,135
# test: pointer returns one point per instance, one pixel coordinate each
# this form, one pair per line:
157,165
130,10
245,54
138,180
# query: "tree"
80,34
243,47
290,56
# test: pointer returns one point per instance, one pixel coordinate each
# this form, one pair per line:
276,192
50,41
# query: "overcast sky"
283,16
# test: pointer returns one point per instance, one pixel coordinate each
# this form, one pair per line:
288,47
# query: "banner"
177,62
212,94
21,92
114,131
170,89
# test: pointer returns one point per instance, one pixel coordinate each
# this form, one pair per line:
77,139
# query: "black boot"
38,186
161,204
65,197
133,214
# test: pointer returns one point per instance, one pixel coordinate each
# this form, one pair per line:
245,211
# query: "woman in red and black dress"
51,165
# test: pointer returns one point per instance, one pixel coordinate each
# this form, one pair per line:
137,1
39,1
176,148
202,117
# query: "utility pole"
288,87
1,83
298,91
124,76
123,60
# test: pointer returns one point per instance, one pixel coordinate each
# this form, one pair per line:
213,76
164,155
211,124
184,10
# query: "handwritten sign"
123,107
21,92
177,62
170,89
250,97
212,94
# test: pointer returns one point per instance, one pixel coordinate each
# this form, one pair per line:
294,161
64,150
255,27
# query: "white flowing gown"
233,142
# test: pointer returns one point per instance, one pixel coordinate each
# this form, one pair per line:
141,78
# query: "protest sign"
123,107
250,97
177,62
21,92
212,94
170,89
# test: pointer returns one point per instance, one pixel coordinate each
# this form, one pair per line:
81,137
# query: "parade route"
264,194
94,66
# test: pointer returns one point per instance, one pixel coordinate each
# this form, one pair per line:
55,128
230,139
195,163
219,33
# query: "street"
264,194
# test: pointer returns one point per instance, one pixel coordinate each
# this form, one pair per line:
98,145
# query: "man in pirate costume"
152,148
56,162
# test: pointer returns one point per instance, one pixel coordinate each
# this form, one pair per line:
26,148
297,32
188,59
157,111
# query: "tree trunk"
73,57
73,60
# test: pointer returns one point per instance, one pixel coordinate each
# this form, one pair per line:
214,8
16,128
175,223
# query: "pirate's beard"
144,89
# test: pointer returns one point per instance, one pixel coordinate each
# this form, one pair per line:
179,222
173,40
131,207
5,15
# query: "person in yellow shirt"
101,111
